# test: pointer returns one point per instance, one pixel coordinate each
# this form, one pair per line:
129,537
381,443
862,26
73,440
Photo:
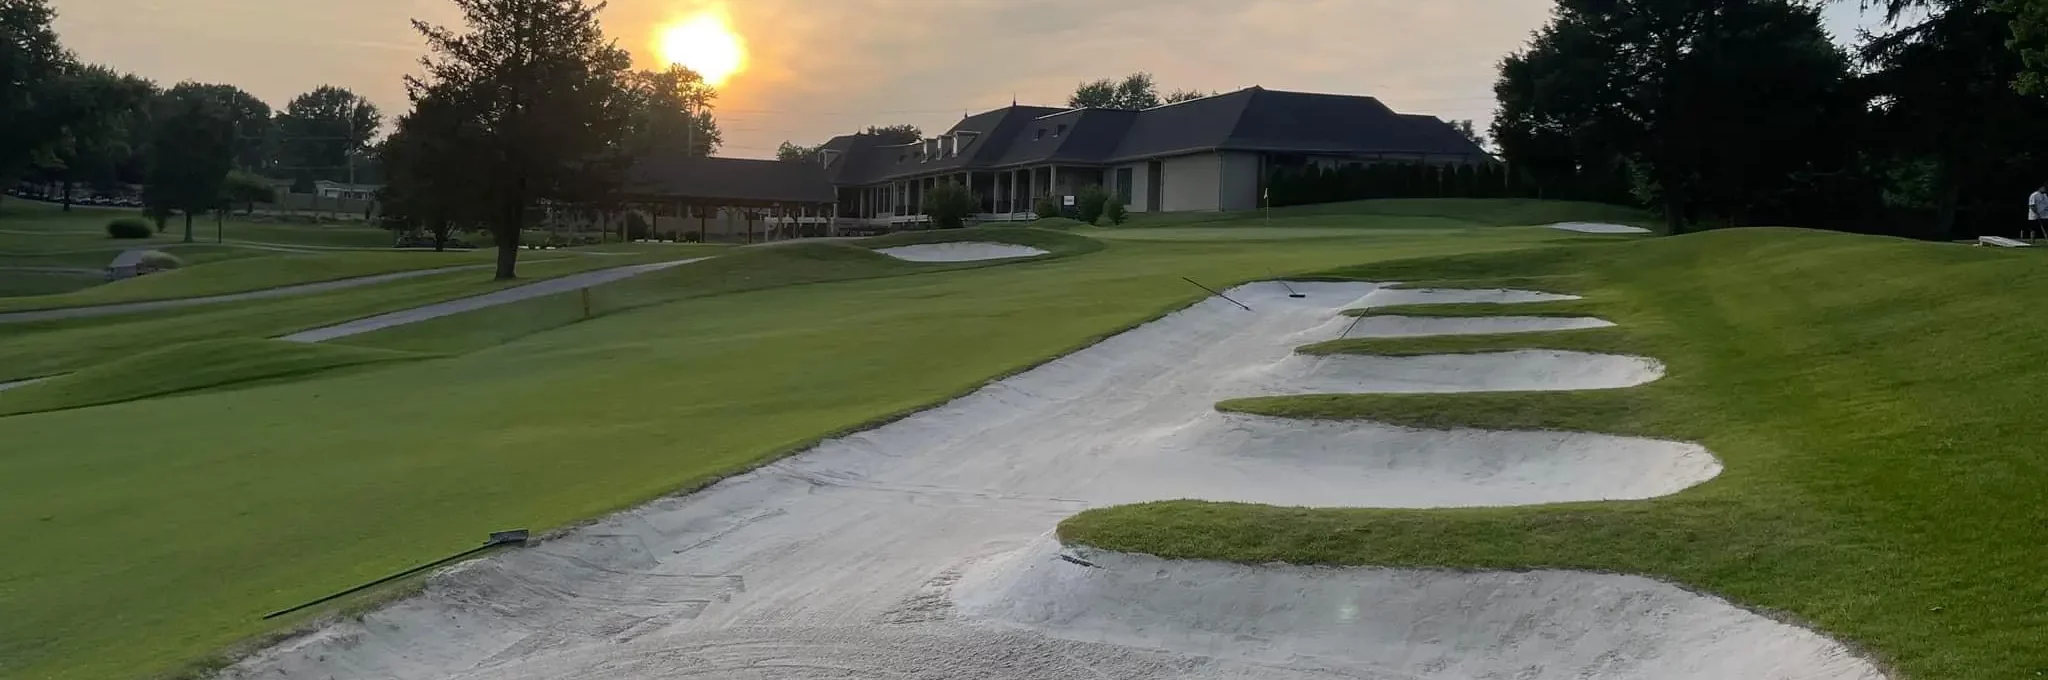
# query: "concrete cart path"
507,296
175,303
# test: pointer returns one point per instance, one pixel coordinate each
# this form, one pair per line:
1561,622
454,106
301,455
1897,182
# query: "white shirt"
2037,206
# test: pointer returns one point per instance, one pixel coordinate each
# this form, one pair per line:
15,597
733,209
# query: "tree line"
1741,112
527,103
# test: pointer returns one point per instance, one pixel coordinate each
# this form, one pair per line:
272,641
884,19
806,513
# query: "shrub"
1116,212
1047,207
1091,203
157,259
637,228
128,227
949,205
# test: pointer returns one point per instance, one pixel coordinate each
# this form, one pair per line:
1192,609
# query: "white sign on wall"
1069,201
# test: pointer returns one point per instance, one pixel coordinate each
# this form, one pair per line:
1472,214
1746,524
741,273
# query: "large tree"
1684,96
546,96
102,125
31,62
191,152
1136,91
248,121
796,153
430,160
896,134
321,134
672,110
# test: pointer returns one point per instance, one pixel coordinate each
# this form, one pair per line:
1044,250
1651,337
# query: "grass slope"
187,367
29,350
1049,240
245,274
1875,402
280,493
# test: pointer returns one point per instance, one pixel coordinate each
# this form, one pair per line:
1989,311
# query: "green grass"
1556,308
1875,401
36,349
22,283
278,493
1495,212
245,274
187,367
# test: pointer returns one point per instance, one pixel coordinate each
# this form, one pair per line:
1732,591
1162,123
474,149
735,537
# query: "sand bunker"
1389,297
847,560
964,251
1417,326
1535,370
1599,228
1395,623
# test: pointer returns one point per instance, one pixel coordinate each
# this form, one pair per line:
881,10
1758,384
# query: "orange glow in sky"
706,43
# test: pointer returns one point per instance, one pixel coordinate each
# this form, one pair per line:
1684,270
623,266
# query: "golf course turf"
1877,426
1872,399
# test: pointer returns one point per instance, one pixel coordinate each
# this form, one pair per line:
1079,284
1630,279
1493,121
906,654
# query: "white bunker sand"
963,251
1417,326
1599,228
1399,623
847,560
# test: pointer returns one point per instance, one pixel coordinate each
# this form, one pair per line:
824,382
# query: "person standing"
2037,211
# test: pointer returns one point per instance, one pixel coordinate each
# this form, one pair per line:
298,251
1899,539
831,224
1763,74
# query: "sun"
707,44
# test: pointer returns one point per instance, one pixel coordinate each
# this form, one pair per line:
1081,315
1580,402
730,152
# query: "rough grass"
279,493
188,367
1495,212
245,274
37,349
1873,401
1556,308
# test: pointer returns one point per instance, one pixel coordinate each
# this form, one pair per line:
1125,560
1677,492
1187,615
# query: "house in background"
1207,154
1210,154
344,190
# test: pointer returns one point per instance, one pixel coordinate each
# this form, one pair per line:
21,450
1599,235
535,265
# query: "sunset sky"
817,68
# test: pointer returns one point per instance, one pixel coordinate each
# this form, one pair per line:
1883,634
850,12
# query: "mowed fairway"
150,534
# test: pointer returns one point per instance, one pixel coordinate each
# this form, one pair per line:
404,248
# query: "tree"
545,95
31,60
1678,94
1178,96
1136,91
1465,127
191,151
429,161
321,134
803,154
897,134
101,116
949,205
248,118
247,189
672,110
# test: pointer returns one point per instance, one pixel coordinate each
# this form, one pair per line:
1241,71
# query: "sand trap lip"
961,251
1398,623
1396,326
1599,228
842,560
1389,297
1534,370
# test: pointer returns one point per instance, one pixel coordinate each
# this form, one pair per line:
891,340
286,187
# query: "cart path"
469,304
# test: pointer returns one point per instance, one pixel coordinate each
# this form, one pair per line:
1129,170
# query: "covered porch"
1005,194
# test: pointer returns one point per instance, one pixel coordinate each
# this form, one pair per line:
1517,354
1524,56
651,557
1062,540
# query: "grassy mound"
244,274
187,367
1876,402
1493,212
1059,243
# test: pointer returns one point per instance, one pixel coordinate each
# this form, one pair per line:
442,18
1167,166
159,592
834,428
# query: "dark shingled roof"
1252,119
739,180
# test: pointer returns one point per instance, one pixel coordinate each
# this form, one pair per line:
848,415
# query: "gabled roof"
739,180
1252,119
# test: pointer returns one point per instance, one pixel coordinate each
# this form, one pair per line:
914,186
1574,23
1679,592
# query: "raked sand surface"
963,251
921,549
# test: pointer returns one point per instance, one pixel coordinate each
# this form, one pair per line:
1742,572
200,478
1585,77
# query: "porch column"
1013,191
1054,181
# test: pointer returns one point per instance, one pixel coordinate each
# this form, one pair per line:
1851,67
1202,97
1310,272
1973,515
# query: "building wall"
1191,182
1141,184
1238,183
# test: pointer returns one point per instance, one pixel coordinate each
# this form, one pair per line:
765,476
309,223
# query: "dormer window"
1039,136
1061,130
